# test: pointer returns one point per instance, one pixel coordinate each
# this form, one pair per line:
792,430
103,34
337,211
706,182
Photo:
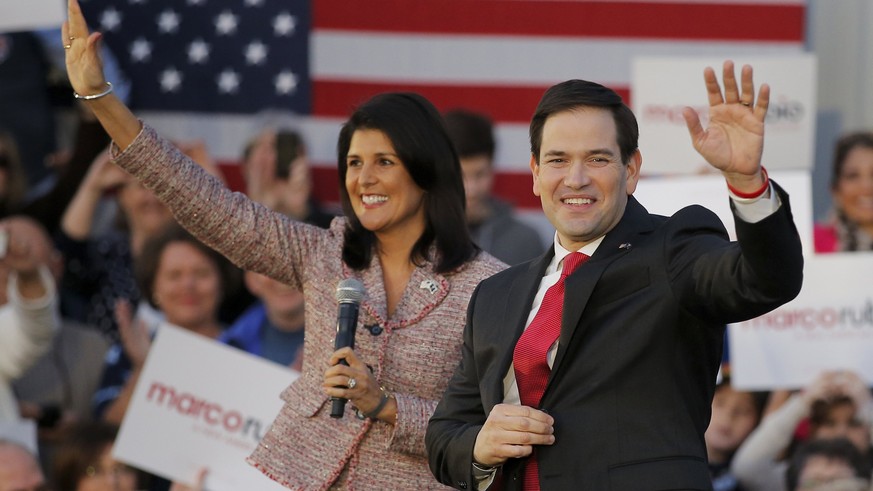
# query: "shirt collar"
560,253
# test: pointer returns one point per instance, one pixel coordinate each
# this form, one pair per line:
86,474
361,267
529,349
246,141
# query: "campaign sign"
199,403
31,14
667,195
663,86
828,326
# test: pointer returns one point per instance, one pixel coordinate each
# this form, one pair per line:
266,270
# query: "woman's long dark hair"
416,130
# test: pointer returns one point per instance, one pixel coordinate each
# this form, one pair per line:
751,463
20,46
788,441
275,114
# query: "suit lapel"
519,298
422,294
580,285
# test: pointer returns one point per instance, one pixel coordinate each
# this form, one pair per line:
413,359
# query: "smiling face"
580,179
853,190
187,286
734,416
383,195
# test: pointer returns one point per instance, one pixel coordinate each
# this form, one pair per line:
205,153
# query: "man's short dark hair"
574,94
839,449
472,133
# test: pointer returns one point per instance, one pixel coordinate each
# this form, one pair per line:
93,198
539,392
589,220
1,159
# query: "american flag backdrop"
210,69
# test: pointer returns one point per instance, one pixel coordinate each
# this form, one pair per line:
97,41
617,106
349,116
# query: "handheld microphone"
349,294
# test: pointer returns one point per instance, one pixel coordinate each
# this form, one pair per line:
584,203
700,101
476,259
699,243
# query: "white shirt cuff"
753,210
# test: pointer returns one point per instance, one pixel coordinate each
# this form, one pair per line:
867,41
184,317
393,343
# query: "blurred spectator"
84,461
19,470
828,465
13,182
734,415
58,388
837,405
183,278
277,175
99,270
491,221
273,328
33,90
850,227
71,169
28,305
25,108
199,481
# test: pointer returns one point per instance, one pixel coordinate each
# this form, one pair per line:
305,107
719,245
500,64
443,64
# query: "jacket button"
462,484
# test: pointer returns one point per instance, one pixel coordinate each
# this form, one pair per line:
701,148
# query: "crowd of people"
469,374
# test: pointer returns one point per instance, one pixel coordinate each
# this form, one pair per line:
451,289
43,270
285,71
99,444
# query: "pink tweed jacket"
413,357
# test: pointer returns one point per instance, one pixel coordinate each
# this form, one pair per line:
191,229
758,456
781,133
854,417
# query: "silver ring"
352,383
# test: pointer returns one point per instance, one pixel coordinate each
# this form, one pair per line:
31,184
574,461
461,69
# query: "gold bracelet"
95,96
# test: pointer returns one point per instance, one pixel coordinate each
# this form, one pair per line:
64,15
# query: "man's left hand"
734,139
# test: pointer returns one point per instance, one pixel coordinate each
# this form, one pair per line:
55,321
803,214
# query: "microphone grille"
350,290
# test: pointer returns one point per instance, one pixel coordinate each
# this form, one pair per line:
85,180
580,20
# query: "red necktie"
530,358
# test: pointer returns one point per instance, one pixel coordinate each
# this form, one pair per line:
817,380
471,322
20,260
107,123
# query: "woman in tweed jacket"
404,238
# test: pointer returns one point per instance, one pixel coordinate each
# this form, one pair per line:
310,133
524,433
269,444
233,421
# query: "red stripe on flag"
659,20
515,104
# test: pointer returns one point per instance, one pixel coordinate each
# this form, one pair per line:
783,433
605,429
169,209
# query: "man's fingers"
692,122
763,102
513,451
495,445
731,92
522,411
525,425
713,90
519,425
747,96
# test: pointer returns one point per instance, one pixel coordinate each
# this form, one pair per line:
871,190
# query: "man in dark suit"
616,394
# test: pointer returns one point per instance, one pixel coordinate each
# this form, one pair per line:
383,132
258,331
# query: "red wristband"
756,193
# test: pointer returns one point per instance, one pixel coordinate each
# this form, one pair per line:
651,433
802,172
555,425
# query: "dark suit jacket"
640,345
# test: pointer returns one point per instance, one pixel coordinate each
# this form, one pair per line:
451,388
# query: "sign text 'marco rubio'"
208,412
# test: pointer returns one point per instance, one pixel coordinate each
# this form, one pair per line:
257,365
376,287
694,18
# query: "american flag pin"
626,246
429,285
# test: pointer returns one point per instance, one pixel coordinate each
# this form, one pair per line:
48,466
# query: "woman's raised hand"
85,70
84,65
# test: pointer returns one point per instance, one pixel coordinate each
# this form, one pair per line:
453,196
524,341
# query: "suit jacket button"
462,484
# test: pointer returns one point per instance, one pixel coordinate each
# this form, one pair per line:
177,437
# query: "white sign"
199,403
828,326
663,86
667,195
26,15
